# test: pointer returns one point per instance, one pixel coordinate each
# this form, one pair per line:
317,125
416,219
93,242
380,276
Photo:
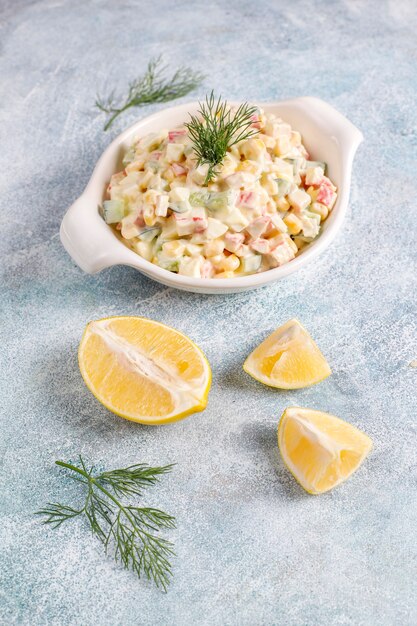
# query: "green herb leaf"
216,129
130,531
150,88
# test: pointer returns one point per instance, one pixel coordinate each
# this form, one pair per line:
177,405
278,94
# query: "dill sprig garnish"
132,532
216,129
154,86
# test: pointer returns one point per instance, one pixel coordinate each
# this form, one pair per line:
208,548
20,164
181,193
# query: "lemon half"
143,370
319,449
288,359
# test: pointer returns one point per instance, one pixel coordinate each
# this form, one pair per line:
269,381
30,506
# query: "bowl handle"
348,136
88,239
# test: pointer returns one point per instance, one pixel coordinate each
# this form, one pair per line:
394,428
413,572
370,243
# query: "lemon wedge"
319,449
288,359
142,370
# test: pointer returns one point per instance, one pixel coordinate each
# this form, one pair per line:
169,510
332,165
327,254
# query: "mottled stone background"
252,548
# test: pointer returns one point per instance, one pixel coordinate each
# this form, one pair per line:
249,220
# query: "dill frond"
216,128
131,532
154,86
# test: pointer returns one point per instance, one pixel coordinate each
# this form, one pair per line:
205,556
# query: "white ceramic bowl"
93,245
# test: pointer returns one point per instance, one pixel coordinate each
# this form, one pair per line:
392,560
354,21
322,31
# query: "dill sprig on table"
216,128
130,531
154,86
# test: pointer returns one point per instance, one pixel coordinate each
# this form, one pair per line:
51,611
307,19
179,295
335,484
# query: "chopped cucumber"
155,166
221,200
113,211
214,200
297,164
316,164
147,234
129,156
167,263
179,207
284,187
199,198
311,224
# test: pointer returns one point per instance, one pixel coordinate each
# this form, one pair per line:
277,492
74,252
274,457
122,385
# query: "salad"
264,203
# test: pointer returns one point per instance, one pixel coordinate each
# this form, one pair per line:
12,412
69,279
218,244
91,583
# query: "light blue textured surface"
252,548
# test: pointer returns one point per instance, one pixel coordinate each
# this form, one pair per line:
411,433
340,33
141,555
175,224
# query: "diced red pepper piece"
173,134
326,195
178,169
139,221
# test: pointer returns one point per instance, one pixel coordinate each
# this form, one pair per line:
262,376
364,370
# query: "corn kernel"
294,224
168,175
217,260
174,249
224,275
321,209
313,192
229,263
282,145
213,248
150,196
283,204
269,183
136,165
149,216
248,166
252,148
268,140
300,243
